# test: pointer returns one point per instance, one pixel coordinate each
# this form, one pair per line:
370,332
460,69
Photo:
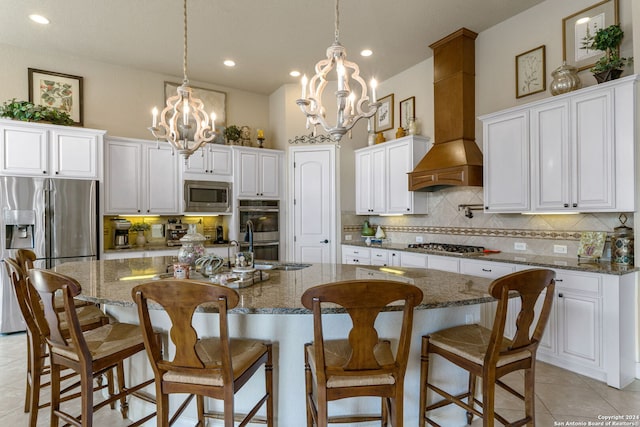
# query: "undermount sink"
287,266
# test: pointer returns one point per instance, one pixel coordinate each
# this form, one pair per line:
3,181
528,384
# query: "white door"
314,204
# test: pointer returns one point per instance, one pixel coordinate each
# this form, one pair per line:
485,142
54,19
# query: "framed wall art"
57,90
407,111
384,115
531,75
583,24
213,100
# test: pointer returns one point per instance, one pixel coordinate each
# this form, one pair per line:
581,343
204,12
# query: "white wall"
118,99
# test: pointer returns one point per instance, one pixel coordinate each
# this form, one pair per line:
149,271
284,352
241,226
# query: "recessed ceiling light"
39,19
366,52
229,63
295,73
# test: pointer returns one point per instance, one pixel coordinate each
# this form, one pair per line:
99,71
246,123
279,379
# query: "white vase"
140,239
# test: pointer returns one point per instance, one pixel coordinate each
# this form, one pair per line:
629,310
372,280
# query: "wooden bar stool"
90,317
89,353
362,364
487,354
215,367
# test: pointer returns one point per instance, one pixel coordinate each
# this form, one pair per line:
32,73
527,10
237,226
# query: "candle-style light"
183,122
349,110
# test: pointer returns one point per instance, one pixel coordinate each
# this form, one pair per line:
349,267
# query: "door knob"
324,241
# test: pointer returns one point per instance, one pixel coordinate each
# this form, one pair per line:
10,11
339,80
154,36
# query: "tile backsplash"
445,223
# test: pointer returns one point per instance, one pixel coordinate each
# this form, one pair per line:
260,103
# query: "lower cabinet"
356,255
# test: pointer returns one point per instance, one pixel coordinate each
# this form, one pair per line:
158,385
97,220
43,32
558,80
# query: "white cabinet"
32,149
444,263
570,153
385,257
257,172
356,255
382,183
141,177
212,162
413,259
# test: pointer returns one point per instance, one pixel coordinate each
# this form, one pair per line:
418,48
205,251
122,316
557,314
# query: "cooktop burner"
449,248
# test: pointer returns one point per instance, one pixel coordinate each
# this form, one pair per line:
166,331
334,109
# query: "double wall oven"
265,216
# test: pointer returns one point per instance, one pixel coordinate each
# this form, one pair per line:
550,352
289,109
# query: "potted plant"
232,133
140,228
608,40
29,112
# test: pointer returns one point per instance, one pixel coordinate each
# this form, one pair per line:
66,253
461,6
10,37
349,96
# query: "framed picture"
407,111
591,245
577,27
531,75
384,115
214,102
56,90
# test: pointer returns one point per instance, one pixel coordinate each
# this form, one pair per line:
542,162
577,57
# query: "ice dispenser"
19,231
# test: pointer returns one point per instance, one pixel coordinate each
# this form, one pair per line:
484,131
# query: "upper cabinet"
570,153
382,183
142,177
213,162
258,172
34,149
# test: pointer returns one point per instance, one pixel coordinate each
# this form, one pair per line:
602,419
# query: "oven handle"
256,244
260,209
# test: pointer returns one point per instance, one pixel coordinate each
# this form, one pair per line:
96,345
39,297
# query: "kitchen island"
271,310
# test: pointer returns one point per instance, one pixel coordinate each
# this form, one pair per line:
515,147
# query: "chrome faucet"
248,237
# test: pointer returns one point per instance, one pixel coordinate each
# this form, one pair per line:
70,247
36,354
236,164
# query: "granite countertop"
111,281
602,267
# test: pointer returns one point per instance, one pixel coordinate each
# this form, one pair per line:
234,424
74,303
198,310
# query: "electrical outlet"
347,237
559,249
419,239
520,246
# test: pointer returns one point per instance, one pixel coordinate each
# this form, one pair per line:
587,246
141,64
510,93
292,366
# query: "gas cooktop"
449,248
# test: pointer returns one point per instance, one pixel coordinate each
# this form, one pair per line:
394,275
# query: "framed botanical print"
407,111
384,115
57,90
530,72
581,25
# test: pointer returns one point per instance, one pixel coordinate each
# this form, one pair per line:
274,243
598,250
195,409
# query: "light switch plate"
347,237
419,239
520,246
559,249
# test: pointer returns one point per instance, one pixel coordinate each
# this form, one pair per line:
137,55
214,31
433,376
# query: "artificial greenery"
607,40
232,133
29,112
140,226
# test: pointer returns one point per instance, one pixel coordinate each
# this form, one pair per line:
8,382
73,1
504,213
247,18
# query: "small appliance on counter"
121,233
220,235
175,232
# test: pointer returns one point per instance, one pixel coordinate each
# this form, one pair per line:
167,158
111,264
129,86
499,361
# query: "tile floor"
562,398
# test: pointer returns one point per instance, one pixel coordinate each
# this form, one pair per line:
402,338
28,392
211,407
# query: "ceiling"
266,38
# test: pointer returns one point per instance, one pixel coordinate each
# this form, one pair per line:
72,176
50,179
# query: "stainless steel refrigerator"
56,218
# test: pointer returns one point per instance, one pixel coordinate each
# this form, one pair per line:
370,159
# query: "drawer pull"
488,270
559,280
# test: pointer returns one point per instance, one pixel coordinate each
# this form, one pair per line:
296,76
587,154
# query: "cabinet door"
379,257
410,259
123,178
269,168
506,163
551,157
220,160
399,163
247,174
24,151
162,180
74,154
435,262
364,185
593,133
198,163
395,258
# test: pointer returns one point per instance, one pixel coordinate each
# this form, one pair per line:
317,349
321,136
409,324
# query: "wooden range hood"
455,158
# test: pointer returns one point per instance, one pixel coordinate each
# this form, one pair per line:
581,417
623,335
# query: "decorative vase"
367,230
400,133
192,246
371,139
380,234
565,79
140,239
380,138
608,75
413,126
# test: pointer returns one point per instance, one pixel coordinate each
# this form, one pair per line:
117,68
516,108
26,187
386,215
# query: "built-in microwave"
207,196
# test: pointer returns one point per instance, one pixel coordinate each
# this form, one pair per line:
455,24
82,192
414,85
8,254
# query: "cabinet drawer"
443,263
585,284
409,259
379,257
491,270
356,251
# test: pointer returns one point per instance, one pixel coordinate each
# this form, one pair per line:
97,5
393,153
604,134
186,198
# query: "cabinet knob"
138,210
44,172
566,205
486,207
559,280
575,205
560,295
57,172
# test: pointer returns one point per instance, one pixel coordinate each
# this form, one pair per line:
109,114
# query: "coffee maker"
220,235
121,233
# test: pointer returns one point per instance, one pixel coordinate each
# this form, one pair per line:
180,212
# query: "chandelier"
183,122
350,110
